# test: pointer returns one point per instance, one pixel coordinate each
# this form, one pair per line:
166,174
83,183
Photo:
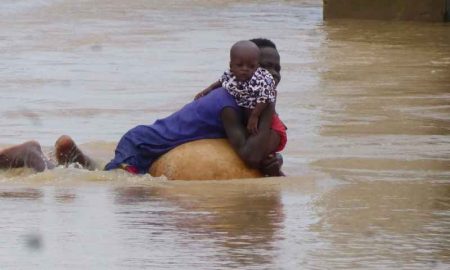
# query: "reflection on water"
250,224
213,216
387,78
26,193
366,103
374,224
158,224
385,100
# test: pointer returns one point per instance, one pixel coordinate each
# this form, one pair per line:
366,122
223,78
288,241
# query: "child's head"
244,59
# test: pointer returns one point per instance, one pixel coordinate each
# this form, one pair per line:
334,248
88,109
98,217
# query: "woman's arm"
255,148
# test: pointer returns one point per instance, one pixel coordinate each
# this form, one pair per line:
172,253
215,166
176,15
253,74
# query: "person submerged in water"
30,155
252,86
214,116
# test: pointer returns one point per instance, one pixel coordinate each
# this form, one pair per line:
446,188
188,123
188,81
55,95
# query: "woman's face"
270,60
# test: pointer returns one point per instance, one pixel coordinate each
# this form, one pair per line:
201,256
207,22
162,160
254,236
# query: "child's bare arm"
252,123
208,89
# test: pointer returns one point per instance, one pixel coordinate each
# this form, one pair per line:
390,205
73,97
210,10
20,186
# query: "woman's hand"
271,165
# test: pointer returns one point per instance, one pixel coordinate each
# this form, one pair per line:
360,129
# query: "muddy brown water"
367,104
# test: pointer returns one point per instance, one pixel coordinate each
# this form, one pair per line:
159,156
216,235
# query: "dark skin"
244,60
30,155
254,150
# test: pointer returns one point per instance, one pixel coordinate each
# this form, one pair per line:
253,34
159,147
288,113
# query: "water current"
367,104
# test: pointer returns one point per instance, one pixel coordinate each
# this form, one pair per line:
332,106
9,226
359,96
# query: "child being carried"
252,86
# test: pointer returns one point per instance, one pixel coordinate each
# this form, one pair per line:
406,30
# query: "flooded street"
367,104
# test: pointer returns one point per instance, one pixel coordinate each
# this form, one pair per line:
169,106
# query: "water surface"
367,104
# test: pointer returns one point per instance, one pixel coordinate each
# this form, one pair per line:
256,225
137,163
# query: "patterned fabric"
259,89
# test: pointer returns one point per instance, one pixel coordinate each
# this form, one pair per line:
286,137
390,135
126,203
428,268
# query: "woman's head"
269,57
244,59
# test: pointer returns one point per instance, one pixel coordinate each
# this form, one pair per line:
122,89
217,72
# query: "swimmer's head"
244,59
269,58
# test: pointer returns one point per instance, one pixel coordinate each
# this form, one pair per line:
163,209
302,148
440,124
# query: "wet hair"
263,43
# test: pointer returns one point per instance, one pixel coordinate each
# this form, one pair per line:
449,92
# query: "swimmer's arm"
253,149
208,89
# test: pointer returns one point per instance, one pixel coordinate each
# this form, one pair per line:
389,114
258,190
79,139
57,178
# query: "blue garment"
200,119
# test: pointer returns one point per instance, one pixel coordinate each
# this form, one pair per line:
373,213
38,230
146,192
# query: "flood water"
367,104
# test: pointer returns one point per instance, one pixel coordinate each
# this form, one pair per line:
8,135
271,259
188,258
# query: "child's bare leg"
67,152
28,154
